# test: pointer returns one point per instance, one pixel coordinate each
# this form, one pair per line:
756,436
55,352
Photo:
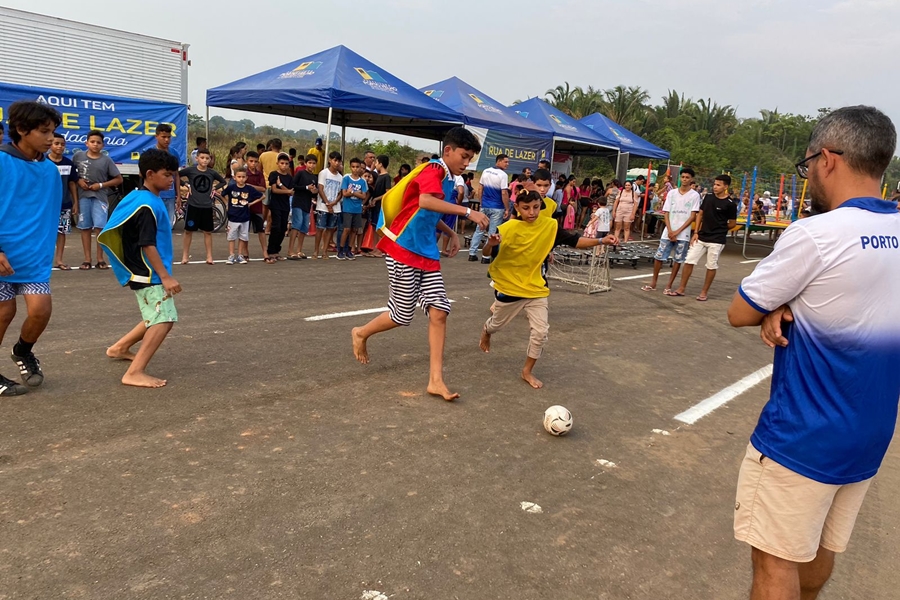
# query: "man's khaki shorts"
788,515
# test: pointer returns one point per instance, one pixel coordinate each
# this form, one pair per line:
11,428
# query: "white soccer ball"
557,420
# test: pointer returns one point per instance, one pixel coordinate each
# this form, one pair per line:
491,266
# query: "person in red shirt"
410,214
257,179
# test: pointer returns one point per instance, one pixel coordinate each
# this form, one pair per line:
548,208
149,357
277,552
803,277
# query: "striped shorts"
412,288
9,291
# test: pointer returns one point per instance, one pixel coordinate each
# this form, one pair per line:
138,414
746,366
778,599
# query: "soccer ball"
557,420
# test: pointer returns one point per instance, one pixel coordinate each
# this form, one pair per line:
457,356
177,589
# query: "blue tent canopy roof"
360,93
628,141
569,135
480,110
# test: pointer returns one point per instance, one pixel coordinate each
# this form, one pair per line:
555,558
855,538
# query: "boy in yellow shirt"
521,248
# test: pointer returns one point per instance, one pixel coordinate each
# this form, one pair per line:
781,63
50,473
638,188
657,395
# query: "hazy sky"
794,55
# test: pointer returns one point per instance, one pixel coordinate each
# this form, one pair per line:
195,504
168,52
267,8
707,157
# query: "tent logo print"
487,107
619,136
302,70
562,123
522,113
375,81
436,94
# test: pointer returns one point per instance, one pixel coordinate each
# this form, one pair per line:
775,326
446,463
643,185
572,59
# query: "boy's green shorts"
156,305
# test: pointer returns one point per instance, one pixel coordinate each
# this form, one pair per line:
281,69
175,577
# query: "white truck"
121,83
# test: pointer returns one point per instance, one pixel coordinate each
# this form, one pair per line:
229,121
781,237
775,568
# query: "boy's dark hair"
689,171
311,157
384,159
460,137
521,178
29,116
157,160
355,161
94,133
334,155
275,144
640,178
200,140
163,128
602,201
500,157
252,154
434,157
260,148
544,161
292,152
425,159
203,151
541,175
240,169
283,156
58,135
524,195
726,179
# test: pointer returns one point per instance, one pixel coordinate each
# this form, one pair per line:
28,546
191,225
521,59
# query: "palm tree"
673,105
561,97
626,106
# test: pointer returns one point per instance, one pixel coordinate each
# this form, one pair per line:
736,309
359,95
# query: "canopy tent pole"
328,134
207,122
343,142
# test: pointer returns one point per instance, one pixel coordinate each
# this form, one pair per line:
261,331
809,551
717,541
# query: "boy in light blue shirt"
354,190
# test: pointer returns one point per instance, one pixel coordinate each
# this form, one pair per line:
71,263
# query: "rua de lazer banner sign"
128,125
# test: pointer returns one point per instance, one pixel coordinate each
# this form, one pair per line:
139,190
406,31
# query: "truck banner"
128,124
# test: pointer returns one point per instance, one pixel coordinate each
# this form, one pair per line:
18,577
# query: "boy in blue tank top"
138,238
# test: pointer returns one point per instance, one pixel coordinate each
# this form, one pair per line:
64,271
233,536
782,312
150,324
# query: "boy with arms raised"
199,215
96,174
139,240
521,248
354,190
69,175
410,212
30,198
240,198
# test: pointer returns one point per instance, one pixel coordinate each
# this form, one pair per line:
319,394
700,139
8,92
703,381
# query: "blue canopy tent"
628,141
500,129
569,135
340,87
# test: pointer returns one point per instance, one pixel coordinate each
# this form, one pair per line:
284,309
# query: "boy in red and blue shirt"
410,214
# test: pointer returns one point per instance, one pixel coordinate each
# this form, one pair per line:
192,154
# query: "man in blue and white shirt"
494,202
826,299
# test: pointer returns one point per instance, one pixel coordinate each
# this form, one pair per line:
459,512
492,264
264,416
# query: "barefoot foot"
440,390
532,380
359,346
143,380
119,354
485,342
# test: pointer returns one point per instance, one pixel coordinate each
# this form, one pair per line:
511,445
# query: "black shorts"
198,219
256,221
352,220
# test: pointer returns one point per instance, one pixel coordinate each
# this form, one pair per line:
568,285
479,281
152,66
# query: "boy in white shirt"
679,211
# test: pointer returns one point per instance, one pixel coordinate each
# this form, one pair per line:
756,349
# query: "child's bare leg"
186,247
529,378
153,339
86,244
60,247
301,237
122,348
99,247
244,248
379,324
437,333
230,247
485,342
674,275
207,241
263,245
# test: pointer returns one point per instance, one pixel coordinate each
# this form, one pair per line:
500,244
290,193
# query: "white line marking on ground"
350,313
661,431
639,276
752,260
698,411
372,595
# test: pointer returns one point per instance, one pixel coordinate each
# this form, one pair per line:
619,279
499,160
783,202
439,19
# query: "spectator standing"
319,153
97,173
494,202
69,175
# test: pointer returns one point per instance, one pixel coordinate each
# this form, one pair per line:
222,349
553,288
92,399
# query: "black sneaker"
29,369
472,258
485,260
8,387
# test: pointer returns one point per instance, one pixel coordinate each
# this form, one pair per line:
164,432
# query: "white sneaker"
241,260
230,260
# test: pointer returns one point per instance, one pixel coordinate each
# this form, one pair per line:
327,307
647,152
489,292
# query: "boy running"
306,187
240,198
69,176
96,174
521,248
30,199
409,215
139,240
199,215
354,190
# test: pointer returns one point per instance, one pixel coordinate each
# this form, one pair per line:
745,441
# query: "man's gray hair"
865,134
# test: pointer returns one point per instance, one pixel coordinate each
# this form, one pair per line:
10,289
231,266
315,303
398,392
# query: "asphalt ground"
275,466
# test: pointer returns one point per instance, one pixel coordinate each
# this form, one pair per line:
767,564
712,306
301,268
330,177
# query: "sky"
793,55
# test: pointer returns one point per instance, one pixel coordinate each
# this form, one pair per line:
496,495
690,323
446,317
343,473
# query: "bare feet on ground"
143,380
440,389
532,380
359,346
485,342
117,353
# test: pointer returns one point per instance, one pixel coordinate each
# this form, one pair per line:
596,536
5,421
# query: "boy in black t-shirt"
239,197
306,187
281,186
717,215
199,215
69,175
